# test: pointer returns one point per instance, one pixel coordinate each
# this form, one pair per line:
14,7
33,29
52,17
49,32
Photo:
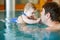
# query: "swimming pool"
13,32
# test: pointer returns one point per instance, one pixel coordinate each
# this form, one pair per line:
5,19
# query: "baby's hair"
29,6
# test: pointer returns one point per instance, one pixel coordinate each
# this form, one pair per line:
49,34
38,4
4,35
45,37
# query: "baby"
28,16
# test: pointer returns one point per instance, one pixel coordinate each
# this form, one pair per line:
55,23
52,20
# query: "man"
50,16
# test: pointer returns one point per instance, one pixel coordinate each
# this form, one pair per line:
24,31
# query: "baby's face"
30,12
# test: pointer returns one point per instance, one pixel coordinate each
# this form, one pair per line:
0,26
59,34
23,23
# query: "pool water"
13,32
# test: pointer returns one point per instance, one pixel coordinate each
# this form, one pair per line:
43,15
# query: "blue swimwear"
13,19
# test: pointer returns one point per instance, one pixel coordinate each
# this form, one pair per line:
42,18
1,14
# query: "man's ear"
48,15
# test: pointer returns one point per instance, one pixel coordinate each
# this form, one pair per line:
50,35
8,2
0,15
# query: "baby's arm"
30,21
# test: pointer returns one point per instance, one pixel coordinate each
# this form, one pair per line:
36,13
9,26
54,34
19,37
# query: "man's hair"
54,9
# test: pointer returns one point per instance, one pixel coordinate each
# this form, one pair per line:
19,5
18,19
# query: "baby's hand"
32,17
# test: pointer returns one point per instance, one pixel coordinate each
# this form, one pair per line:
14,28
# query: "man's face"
43,16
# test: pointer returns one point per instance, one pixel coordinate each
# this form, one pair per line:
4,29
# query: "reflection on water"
15,32
2,37
2,30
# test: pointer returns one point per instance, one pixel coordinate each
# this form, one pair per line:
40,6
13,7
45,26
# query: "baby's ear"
24,10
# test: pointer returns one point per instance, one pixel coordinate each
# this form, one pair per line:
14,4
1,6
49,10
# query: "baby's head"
29,9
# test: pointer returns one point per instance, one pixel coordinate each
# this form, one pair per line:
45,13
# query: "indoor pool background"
13,32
